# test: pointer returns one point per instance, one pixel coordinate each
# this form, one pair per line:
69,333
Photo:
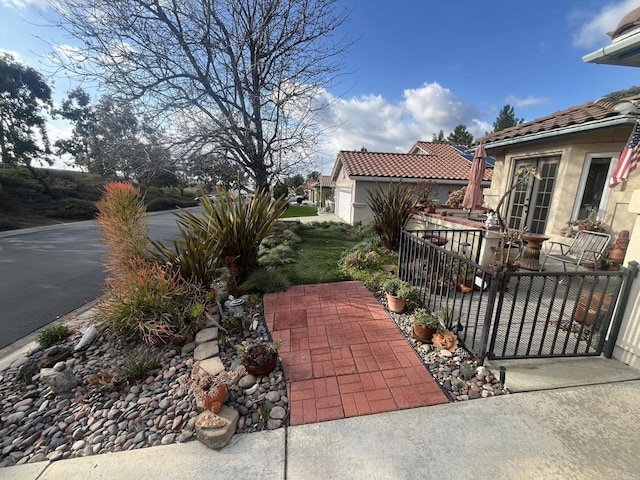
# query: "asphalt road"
48,272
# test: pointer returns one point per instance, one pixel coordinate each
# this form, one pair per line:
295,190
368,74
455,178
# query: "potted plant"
425,202
456,197
211,390
398,294
446,337
260,358
425,324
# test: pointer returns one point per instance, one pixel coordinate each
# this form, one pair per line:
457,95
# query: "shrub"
265,281
121,220
154,304
54,334
73,208
280,190
138,364
274,257
240,225
391,212
196,252
168,203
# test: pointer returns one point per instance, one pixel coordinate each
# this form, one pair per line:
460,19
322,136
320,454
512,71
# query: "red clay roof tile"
441,161
587,112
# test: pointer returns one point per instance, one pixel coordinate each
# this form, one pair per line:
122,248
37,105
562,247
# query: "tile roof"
587,112
440,161
326,181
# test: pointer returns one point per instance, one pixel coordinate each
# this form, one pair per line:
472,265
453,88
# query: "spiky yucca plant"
238,224
196,252
391,211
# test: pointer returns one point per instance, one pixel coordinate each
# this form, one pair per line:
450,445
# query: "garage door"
344,204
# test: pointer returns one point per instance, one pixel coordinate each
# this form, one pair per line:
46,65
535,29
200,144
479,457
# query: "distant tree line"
461,136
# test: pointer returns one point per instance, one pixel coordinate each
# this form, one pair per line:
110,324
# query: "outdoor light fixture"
463,247
236,307
503,375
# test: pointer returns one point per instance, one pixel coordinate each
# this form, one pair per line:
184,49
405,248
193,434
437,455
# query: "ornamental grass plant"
391,210
154,304
239,225
123,225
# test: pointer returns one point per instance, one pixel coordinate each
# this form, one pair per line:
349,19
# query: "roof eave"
583,127
448,181
624,51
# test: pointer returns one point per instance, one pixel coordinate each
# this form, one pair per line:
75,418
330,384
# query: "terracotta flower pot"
396,304
214,402
259,360
423,334
588,314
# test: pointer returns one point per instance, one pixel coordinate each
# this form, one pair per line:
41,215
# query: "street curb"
28,343
43,228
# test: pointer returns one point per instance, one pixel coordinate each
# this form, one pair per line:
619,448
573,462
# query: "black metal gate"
521,314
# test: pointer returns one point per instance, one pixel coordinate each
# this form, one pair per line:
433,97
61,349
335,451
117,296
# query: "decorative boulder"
59,381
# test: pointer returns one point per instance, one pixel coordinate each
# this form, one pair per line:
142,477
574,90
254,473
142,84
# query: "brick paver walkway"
343,356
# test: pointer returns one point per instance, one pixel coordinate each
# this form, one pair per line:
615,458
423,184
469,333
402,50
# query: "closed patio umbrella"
473,196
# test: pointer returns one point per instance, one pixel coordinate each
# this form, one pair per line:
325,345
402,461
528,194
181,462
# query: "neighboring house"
357,173
315,190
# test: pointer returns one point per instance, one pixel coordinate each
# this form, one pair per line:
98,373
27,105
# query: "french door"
531,200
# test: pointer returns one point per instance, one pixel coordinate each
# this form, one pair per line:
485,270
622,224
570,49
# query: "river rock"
88,337
207,335
247,381
59,382
206,350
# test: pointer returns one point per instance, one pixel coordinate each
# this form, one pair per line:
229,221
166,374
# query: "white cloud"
373,122
524,102
70,53
24,3
16,55
593,29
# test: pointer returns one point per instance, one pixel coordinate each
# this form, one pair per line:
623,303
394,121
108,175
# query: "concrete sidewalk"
575,433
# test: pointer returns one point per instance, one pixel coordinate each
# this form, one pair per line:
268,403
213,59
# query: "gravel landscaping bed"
457,373
105,414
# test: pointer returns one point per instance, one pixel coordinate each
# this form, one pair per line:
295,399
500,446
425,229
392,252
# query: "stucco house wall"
574,152
355,174
621,211
343,184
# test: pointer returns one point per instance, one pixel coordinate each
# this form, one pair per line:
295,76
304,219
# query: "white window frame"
602,207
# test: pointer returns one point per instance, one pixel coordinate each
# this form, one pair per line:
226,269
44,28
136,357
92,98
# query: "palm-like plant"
239,225
391,211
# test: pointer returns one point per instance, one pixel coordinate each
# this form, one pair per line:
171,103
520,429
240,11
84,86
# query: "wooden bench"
587,248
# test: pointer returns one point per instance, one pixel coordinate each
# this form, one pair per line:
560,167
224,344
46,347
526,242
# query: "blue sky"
417,67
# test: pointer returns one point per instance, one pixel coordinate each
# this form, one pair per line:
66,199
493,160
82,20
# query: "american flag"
628,158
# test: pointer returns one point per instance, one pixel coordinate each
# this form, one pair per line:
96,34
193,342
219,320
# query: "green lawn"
317,255
300,211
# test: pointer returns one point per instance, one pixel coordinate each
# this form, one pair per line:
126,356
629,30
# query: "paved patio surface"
343,356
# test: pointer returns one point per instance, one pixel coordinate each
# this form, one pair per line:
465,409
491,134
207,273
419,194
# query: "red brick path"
343,356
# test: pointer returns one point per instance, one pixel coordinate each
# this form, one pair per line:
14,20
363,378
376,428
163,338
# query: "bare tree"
248,73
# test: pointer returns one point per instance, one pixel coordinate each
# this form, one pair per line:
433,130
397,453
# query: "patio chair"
586,249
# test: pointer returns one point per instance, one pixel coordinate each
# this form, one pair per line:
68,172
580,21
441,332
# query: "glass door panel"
531,200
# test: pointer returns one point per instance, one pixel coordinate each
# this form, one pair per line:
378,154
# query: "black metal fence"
518,314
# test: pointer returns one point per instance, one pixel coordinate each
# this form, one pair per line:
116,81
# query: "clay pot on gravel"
214,402
425,325
396,304
260,359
